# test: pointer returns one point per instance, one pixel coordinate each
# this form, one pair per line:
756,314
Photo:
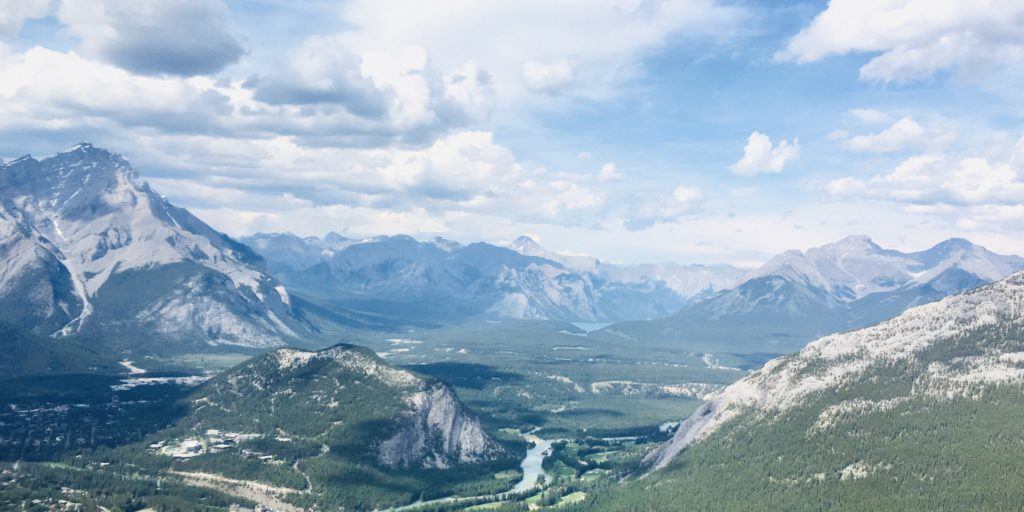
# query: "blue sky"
634,130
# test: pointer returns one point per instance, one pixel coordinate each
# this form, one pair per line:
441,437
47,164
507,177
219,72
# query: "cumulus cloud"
536,46
321,70
547,78
869,115
49,90
913,39
905,134
911,181
929,181
465,173
664,208
64,92
687,195
975,191
759,155
175,37
13,13
609,172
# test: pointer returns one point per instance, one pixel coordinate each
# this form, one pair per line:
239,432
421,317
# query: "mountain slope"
346,393
921,412
335,428
90,249
26,354
797,296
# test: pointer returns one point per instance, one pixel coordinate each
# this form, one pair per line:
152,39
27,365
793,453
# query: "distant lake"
591,326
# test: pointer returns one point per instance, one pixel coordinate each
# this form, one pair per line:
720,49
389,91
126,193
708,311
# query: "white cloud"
759,155
976,181
317,220
904,134
914,39
869,115
547,78
46,89
913,180
687,195
178,37
13,13
609,172
597,43
655,209
465,173
321,70
930,183
65,92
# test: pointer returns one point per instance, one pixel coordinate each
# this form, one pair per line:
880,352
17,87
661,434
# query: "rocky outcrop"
439,433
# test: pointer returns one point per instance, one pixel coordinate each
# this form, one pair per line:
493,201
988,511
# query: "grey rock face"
439,434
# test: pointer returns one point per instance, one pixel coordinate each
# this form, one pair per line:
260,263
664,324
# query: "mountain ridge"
798,296
518,280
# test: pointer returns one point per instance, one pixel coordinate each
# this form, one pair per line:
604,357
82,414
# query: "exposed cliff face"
438,433
956,349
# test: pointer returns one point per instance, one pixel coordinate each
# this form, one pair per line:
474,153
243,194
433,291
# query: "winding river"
533,463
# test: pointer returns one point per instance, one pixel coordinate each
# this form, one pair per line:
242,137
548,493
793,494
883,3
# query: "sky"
704,131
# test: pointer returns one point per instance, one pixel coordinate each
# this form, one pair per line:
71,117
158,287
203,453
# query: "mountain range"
88,249
798,296
91,251
443,280
906,415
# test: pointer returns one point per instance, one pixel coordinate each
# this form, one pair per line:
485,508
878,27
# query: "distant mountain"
529,247
798,296
686,281
442,281
921,412
87,249
292,252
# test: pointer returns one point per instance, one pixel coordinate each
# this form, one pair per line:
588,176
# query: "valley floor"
601,405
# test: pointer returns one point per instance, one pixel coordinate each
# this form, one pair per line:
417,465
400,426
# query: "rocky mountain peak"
73,222
527,246
861,243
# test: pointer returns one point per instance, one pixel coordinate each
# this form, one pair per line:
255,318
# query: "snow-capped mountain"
687,281
435,280
441,280
798,296
855,267
88,248
527,246
295,252
953,349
